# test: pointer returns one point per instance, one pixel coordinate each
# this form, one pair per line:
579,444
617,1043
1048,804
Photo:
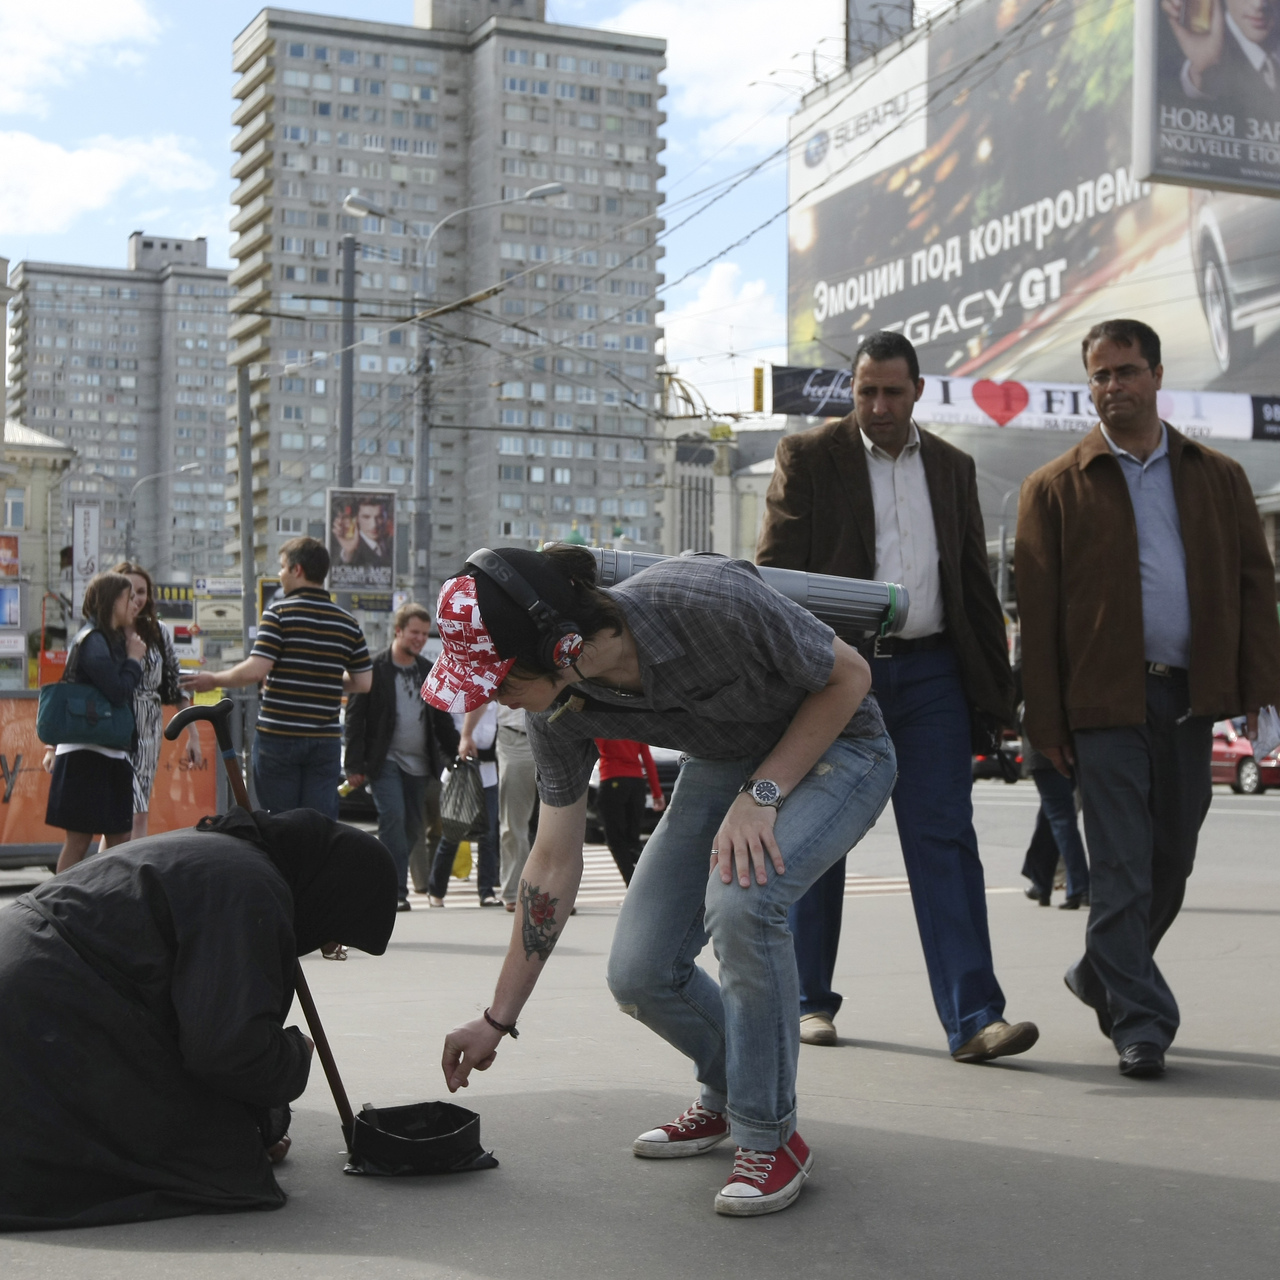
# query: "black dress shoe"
1142,1060
1037,894
1074,902
1104,1014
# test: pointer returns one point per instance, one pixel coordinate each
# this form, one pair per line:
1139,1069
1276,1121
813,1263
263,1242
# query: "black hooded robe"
142,1000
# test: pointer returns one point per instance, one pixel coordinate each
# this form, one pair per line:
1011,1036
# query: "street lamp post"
420,541
185,469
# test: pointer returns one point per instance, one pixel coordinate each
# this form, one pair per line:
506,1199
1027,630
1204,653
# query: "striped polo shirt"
311,642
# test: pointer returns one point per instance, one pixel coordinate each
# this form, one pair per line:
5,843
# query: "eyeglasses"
1125,374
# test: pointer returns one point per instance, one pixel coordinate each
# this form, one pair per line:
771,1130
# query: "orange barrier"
182,794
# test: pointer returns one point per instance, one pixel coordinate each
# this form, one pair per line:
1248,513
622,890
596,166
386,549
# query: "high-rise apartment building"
541,397
127,366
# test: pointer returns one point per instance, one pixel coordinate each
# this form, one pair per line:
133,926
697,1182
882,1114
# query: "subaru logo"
815,150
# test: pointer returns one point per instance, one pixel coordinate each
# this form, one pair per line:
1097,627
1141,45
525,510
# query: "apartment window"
349,57
511,417
288,524
292,440
562,448
561,475
511,444
15,508
509,472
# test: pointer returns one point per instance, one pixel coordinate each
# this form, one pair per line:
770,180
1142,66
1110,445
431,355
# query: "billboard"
1206,100
1009,219
1033,406
362,539
86,550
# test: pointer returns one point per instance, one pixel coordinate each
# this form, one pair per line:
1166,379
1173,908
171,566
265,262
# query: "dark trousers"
486,855
621,805
297,773
928,720
1057,834
1146,792
400,799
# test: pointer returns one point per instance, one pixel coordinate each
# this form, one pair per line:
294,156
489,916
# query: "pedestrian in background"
160,687
478,732
627,771
396,741
517,796
1148,608
874,496
307,654
92,787
1056,835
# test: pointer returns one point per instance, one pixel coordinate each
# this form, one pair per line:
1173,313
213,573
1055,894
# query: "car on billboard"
1237,269
1233,761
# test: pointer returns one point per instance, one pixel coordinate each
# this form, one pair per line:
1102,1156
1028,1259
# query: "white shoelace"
692,1117
755,1166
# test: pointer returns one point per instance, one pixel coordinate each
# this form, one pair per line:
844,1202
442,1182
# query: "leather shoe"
1037,894
817,1028
1142,1060
1072,980
1074,902
998,1040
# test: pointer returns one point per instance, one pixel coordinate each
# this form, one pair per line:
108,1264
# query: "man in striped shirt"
309,652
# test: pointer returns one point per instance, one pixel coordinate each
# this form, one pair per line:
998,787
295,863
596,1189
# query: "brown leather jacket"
1080,591
820,518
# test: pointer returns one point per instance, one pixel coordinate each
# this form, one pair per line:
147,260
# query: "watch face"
765,792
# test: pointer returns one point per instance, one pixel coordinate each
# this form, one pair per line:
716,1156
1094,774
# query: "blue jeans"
742,1033
487,861
297,773
400,799
927,715
1058,812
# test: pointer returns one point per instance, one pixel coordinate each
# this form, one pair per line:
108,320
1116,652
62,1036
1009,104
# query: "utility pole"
347,390
421,539
248,567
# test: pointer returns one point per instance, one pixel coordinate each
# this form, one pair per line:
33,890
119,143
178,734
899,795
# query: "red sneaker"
690,1134
765,1181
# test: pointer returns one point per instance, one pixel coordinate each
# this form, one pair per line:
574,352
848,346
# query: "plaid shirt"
725,662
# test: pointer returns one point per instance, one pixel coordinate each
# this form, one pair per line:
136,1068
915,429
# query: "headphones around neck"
560,642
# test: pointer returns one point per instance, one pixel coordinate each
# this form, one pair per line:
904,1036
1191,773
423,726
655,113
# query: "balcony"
255,295
251,213
258,155
257,128
259,73
252,186
253,239
253,348
251,268
254,103
240,329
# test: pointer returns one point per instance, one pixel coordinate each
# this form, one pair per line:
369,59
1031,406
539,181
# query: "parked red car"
1234,764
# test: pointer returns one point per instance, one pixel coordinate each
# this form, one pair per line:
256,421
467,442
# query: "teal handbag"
81,713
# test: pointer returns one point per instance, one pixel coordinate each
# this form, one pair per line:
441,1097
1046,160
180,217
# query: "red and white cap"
469,670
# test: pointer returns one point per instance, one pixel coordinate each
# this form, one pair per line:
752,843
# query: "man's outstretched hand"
470,1047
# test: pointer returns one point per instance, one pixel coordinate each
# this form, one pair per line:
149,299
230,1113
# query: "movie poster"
362,539
973,186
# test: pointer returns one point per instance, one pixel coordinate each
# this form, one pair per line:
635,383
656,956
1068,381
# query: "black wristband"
497,1026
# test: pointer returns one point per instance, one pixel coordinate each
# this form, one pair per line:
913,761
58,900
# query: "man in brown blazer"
1148,607
874,496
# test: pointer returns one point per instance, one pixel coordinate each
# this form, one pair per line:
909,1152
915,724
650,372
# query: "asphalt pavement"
1047,1165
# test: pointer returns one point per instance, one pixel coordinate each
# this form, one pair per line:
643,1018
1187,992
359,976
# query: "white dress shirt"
1259,59
906,540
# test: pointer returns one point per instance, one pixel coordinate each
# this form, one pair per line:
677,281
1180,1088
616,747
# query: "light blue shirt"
1162,558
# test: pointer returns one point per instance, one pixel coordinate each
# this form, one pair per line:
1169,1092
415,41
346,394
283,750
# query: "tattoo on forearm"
538,928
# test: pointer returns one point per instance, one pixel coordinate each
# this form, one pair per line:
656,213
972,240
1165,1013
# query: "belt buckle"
1160,669
875,648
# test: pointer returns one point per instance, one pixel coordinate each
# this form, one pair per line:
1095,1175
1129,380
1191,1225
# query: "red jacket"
621,758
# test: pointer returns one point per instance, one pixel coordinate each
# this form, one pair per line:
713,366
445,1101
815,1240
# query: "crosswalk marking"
602,884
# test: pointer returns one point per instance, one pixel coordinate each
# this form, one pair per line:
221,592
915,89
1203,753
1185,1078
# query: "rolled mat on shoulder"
426,1137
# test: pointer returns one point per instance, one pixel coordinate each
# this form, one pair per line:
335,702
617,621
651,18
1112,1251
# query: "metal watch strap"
748,789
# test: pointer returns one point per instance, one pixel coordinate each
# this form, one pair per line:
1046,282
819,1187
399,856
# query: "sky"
115,117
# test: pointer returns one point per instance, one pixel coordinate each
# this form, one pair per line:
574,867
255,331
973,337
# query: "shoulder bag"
82,713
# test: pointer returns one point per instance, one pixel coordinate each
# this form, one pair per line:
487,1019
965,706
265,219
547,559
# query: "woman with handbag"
159,688
92,787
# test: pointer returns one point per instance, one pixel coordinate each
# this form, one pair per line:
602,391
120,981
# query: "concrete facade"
125,366
541,398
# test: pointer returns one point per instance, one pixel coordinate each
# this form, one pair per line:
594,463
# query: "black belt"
895,646
1164,670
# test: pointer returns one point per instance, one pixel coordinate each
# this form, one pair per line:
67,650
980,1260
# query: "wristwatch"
768,795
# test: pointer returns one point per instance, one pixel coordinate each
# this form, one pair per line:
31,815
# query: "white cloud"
47,187
46,45
720,334
717,48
